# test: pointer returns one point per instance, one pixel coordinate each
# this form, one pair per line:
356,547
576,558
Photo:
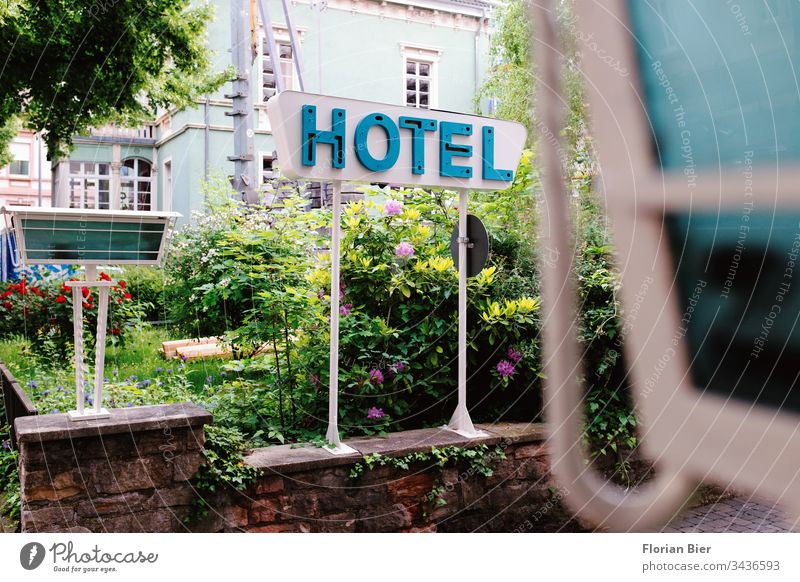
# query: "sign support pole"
100,345
335,444
461,422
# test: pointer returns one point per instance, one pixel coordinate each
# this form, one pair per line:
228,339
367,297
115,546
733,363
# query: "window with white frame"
21,152
420,75
136,185
89,185
419,83
285,63
267,167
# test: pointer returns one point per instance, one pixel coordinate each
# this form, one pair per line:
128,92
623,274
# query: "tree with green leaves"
74,64
510,80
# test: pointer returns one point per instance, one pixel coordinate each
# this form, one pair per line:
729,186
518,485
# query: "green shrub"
42,311
148,287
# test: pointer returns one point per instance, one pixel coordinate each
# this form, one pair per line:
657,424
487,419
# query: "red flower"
87,305
6,294
104,277
65,288
61,299
119,299
127,295
85,291
115,331
122,284
8,304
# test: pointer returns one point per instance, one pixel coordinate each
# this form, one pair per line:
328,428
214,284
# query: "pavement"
737,514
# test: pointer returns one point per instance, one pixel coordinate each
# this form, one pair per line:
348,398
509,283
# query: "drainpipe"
481,24
206,137
39,166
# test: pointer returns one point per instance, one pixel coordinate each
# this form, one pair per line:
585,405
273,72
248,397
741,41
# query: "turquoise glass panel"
738,279
75,241
721,80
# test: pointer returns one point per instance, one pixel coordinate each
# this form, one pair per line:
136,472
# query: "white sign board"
328,138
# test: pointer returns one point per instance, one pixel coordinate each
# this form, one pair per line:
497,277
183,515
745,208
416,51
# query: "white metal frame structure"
69,234
690,435
285,118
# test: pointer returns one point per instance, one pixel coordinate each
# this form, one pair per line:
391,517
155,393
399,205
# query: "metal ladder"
245,180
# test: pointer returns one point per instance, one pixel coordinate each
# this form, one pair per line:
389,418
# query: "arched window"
136,184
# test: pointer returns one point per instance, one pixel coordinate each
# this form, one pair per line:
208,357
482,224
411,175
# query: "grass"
138,359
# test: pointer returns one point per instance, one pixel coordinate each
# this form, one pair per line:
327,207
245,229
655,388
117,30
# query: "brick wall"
310,490
126,473
131,473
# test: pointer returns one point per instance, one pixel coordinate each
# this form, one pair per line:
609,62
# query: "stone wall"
126,473
310,490
131,473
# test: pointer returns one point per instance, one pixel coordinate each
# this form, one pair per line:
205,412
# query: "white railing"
146,131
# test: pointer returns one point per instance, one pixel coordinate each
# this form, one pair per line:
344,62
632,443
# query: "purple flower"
169,370
404,250
376,376
314,379
115,373
7,445
129,405
45,393
60,387
375,413
393,208
397,367
184,357
209,380
33,384
344,310
514,355
158,370
505,368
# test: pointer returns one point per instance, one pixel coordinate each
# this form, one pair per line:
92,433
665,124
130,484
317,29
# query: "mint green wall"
362,59
91,153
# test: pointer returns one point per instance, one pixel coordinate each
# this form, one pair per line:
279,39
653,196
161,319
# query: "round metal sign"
477,248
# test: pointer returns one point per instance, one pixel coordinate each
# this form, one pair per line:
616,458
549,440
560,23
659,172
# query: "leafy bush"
42,310
148,287
260,277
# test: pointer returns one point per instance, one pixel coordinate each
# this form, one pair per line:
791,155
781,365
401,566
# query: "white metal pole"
461,422
332,436
77,326
100,348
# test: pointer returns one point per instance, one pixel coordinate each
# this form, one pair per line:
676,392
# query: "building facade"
420,53
26,180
